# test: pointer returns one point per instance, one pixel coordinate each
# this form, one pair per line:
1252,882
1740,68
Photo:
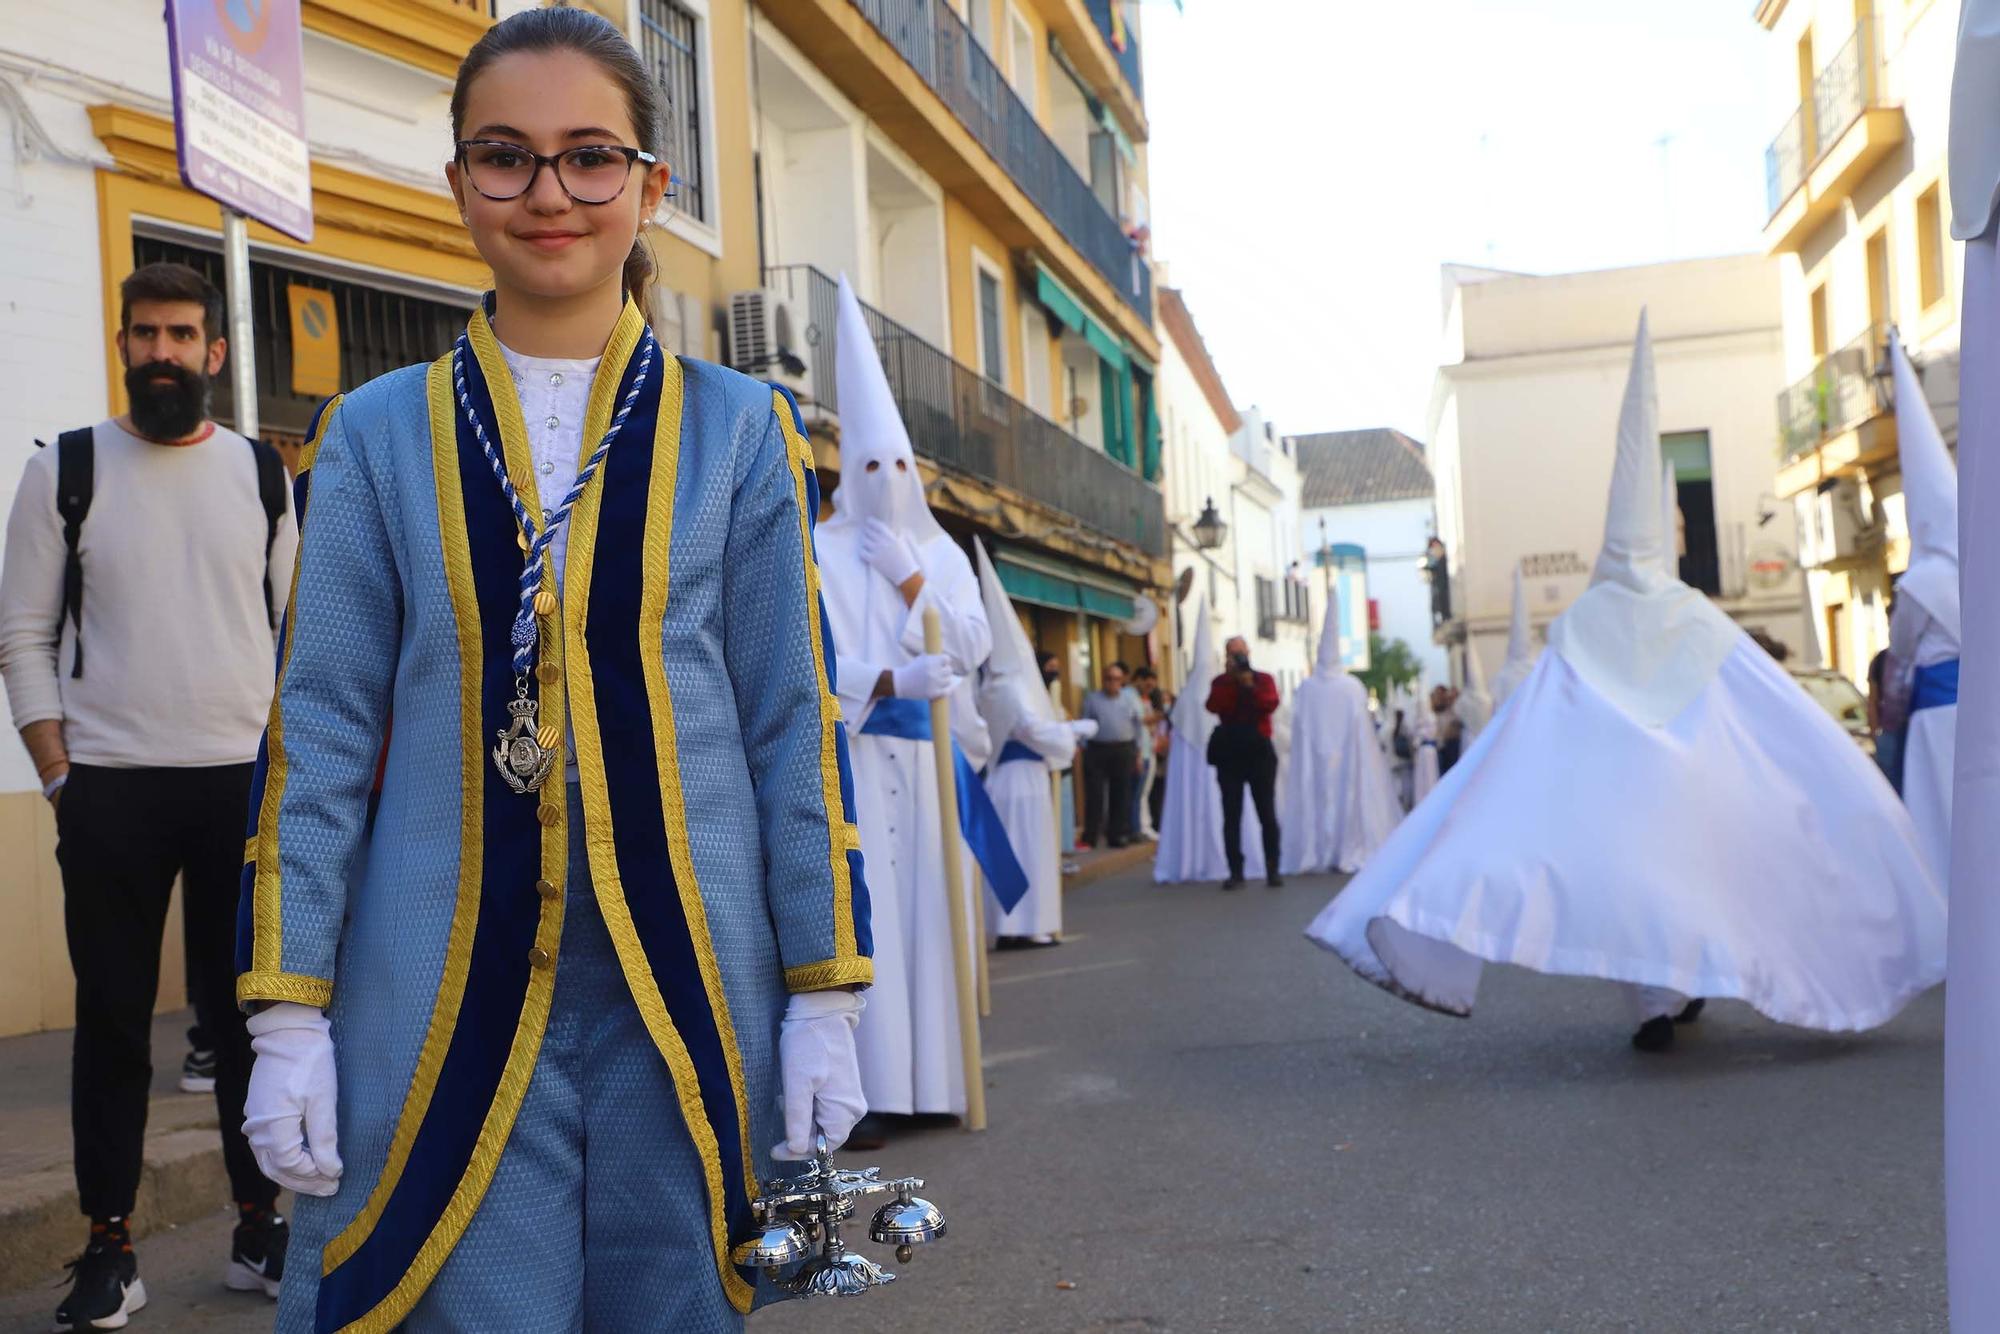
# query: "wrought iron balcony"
1847,388
1844,89
943,52
964,422
1785,161
1128,55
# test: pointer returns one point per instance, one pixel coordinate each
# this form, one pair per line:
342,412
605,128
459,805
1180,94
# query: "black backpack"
76,479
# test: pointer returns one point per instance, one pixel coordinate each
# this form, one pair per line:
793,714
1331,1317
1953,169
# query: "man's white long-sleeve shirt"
179,656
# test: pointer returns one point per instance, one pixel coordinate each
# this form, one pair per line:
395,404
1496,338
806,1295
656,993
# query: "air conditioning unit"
1837,522
767,339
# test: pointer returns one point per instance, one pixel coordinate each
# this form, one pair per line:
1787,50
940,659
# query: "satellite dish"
1184,585
1145,615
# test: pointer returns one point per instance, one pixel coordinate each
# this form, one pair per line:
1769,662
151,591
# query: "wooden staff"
954,885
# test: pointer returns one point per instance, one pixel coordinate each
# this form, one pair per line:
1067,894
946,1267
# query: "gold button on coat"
545,603
522,540
548,672
548,815
540,957
545,888
549,737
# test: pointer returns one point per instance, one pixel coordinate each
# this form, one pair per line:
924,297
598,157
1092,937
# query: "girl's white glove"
819,1070
288,1113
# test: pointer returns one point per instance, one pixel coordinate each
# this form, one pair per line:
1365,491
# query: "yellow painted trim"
267,900
830,973
431,34
314,991
540,995
798,454
599,835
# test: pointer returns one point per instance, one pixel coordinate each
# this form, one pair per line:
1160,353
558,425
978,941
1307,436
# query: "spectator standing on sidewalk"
1111,760
137,642
1240,748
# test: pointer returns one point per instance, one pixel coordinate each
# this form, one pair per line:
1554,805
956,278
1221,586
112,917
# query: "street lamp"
1209,529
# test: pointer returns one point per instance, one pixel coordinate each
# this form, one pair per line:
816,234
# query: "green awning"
1066,308
1047,582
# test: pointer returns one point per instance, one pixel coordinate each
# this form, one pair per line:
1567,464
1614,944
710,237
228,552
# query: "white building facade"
1372,489
1253,583
1524,414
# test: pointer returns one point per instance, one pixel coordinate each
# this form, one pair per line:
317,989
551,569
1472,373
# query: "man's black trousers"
1253,762
1107,803
122,837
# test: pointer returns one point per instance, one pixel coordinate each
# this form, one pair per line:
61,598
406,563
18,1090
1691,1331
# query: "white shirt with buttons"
554,393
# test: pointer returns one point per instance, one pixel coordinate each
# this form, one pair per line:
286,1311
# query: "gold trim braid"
841,835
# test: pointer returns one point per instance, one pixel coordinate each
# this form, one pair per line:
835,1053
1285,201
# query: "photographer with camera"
1241,751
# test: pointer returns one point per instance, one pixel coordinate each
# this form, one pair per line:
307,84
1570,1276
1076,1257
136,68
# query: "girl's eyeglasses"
592,174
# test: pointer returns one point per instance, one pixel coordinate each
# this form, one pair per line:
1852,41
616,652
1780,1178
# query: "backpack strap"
270,490
76,474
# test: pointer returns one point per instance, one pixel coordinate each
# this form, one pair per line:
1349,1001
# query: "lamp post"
1209,529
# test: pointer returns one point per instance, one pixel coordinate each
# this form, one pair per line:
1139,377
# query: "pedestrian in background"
147,562
1110,760
1888,715
1240,748
1146,689
1162,743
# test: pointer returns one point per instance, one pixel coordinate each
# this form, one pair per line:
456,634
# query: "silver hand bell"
795,1214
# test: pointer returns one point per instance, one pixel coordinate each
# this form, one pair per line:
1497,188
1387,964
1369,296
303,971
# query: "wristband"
53,786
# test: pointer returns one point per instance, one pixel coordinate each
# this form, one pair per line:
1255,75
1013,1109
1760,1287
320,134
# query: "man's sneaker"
257,1252
105,1287
198,1071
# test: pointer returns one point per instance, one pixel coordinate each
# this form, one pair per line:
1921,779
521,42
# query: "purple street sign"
239,107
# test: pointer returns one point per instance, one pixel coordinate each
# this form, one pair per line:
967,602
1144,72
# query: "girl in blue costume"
521,1047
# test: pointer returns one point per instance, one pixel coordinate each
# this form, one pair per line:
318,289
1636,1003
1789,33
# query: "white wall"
1393,533
1525,428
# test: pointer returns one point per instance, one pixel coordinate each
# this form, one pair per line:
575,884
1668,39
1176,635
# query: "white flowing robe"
1918,640
1025,799
908,1039
1746,849
1339,799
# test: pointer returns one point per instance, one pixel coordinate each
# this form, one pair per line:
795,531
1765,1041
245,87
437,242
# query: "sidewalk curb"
1110,862
41,1229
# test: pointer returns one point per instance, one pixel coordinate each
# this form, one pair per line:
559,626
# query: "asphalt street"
1202,1123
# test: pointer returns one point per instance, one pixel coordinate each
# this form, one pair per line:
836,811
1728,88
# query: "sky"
1314,162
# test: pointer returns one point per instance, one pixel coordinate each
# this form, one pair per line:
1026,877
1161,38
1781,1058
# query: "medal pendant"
519,755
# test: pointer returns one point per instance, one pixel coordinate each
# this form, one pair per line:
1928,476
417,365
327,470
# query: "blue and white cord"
524,633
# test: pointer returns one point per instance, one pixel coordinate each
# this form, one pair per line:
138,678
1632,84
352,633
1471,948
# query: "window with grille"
670,33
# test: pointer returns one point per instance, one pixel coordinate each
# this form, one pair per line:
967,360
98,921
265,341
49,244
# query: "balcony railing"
1128,58
1785,161
943,52
1844,89
963,421
1844,390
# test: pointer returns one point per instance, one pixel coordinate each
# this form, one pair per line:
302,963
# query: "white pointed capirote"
1475,703
1638,635
1560,841
1339,799
1030,741
1520,648
1924,625
878,469
1930,498
1191,818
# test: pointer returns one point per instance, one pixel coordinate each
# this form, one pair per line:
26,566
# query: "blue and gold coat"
688,655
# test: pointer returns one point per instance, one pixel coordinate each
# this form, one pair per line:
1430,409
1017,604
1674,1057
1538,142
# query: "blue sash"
910,719
1936,686
1017,750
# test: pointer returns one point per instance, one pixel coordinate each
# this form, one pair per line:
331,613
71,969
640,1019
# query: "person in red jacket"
1244,700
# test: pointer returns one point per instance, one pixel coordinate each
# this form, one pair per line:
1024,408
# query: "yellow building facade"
1859,223
977,170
